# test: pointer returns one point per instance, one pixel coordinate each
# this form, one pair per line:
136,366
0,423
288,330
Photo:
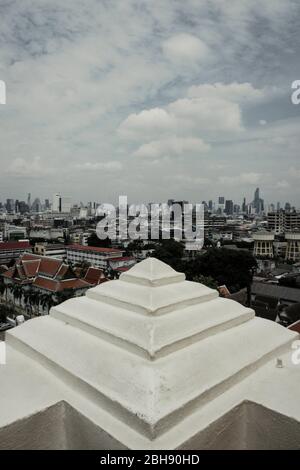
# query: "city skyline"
61,203
166,102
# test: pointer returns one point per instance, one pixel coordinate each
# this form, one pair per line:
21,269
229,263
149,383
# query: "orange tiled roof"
57,286
49,266
14,245
94,276
46,273
95,249
31,267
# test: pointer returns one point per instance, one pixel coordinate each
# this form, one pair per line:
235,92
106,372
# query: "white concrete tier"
150,352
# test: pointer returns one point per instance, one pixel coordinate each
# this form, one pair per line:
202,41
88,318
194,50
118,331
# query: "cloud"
174,146
22,168
105,166
241,179
185,48
282,184
208,111
151,122
94,80
233,92
207,114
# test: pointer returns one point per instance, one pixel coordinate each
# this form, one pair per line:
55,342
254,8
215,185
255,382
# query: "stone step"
160,335
152,300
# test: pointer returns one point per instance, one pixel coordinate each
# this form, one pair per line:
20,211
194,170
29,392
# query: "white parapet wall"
150,361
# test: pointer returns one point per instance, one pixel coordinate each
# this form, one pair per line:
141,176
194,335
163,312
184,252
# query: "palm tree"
32,298
3,288
12,288
47,301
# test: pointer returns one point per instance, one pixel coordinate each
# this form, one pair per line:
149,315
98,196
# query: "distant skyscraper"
10,205
66,203
210,205
287,207
229,207
244,206
221,204
29,200
56,203
61,203
278,206
36,205
258,203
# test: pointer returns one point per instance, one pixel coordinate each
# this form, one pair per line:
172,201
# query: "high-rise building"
61,203
66,203
221,204
282,221
36,205
258,203
229,207
10,206
287,207
244,205
56,203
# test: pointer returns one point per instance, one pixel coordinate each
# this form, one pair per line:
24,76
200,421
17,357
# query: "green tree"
170,252
206,280
47,301
233,268
93,240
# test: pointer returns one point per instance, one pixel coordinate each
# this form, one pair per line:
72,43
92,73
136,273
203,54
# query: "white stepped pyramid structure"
150,361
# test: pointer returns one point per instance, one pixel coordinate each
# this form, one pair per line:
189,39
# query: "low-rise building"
55,250
263,244
45,275
12,250
97,257
293,246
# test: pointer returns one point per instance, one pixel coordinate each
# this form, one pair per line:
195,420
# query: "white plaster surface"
150,359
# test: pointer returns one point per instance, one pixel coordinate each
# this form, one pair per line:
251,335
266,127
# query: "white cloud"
106,166
166,70
242,179
22,168
147,123
185,48
282,184
233,92
174,146
207,114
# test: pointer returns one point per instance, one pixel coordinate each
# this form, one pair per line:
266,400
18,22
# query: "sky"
151,99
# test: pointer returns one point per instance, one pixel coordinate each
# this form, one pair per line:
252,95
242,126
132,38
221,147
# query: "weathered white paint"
151,361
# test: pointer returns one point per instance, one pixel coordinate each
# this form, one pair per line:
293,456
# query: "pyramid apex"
152,271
